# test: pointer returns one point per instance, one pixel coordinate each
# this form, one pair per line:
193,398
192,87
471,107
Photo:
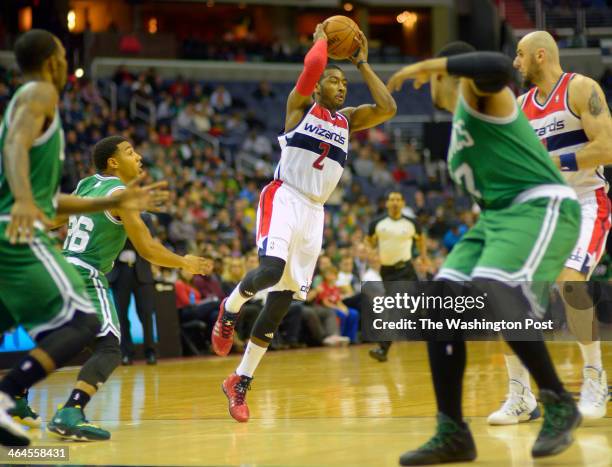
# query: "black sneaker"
561,418
151,358
379,354
451,443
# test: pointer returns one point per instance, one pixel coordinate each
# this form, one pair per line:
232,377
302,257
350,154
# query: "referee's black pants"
393,278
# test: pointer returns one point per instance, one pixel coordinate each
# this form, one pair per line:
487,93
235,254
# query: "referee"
393,234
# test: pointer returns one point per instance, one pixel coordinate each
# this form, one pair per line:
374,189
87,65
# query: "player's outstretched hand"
417,71
197,265
319,33
362,53
21,226
144,198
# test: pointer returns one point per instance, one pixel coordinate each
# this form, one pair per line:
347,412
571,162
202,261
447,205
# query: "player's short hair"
390,192
455,48
33,48
105,149
329,68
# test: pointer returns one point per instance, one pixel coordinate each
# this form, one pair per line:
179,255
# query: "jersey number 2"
324,147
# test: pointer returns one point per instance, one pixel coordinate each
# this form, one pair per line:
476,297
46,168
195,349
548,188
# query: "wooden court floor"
309,407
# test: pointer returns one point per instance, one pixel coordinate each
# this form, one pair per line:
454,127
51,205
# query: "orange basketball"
341,33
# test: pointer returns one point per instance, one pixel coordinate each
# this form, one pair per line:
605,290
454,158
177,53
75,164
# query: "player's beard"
530,78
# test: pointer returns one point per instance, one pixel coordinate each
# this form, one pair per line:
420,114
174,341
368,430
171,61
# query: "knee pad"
66,342
268,273
106,357
275,309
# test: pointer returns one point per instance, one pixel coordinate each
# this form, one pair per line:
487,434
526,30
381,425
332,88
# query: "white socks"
517,371
235,301
591,354
250,360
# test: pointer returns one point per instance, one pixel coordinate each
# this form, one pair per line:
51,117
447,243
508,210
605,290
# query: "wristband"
568,162
360,62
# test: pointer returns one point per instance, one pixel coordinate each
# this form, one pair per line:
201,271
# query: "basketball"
341,33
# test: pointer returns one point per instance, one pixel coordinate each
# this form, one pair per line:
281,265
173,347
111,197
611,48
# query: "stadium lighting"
407,19
25,19
71,20
152,25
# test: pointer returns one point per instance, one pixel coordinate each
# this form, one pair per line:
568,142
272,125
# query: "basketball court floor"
333,407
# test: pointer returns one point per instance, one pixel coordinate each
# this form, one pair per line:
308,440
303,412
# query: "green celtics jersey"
96,238
46,162
496,159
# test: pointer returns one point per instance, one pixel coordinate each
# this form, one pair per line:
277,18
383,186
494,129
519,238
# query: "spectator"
220,99
329,295
454,234
381,176
264,91
186,118
180,88
257,145
166,109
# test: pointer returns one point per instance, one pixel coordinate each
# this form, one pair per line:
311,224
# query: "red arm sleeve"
314,66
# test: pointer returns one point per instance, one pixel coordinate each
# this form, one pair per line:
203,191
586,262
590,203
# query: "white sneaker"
336,341
594,394
520,406
11,432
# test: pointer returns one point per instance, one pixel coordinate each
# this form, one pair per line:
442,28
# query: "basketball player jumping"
569,115
290,216
529,224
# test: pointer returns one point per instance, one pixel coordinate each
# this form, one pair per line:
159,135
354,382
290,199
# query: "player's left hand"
198,265
417,71
362,53
143,198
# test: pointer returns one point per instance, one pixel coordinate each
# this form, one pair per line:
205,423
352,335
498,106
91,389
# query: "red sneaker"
235,388
223,332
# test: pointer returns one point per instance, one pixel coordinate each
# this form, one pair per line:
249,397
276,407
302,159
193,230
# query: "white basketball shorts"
594,229
290,227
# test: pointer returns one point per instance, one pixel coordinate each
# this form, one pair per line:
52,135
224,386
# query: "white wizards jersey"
560,130
314,153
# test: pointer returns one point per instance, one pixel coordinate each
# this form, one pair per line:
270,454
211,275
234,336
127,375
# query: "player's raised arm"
154,252
384,107
315,62
588,101
35,106
484,78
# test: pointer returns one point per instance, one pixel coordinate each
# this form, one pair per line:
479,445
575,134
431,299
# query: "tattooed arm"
588,101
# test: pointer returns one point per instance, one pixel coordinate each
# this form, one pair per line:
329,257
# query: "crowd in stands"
213,204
